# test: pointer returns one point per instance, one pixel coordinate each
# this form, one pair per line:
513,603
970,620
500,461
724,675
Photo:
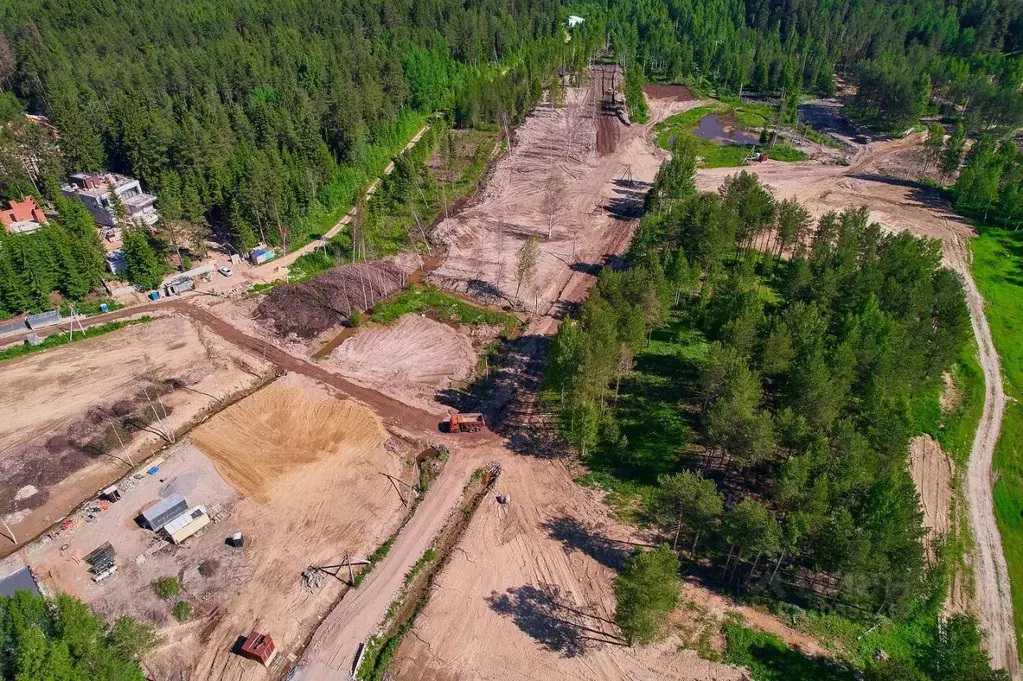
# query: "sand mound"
415,349
279,429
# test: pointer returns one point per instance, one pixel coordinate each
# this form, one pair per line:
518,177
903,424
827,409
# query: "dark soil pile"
312,307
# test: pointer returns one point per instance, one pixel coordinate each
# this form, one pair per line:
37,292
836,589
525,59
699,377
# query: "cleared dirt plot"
821,187
552,181
287,428
409,360
328,498
662,91
70,416
415,349
528,594
933,474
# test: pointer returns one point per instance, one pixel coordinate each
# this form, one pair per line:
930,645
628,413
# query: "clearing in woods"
64,413
552,181
330,497
529,590
933,473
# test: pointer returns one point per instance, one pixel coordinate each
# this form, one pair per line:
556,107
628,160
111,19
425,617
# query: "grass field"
769,659
998,270
419,299
750,116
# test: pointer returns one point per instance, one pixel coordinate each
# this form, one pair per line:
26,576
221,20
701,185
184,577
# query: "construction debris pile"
312,307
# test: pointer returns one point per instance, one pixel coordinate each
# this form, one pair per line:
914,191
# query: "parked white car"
226,271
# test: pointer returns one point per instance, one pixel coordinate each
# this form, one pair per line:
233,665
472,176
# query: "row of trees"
62,640
64,256
990,183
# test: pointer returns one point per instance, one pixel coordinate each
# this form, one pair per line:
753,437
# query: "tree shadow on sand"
576,536
543,612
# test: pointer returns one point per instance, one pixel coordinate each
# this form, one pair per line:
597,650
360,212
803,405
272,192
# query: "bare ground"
58,402
933,473
902,204
552,146
410,359
299,514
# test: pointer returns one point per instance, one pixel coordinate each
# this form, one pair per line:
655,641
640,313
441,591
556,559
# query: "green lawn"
998,270
769,659
750,116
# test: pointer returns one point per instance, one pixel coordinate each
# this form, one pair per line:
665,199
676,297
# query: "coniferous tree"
141,264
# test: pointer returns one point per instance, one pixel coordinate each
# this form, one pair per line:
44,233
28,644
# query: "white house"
93,190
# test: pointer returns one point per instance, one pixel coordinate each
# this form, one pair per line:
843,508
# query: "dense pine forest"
760,407
907,58
259,117
260,121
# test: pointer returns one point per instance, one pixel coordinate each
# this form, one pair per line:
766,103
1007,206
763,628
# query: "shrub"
182,611
166,587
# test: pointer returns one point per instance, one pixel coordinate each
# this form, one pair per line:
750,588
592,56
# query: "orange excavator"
466,423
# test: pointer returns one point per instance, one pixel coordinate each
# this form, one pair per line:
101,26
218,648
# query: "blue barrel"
103,307
154,295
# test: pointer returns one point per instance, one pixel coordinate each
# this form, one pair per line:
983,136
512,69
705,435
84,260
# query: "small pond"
724,130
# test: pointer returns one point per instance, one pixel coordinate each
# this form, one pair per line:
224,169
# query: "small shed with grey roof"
164,511
43,319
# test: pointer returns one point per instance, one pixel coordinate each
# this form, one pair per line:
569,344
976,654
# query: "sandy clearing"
528,594
53,392
42,392
310,514
288,428
409,360
933,473
551,145
901,204
529,544
414,349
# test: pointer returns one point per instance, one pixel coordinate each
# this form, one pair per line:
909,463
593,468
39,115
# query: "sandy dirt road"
390,410
332,651
903,204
